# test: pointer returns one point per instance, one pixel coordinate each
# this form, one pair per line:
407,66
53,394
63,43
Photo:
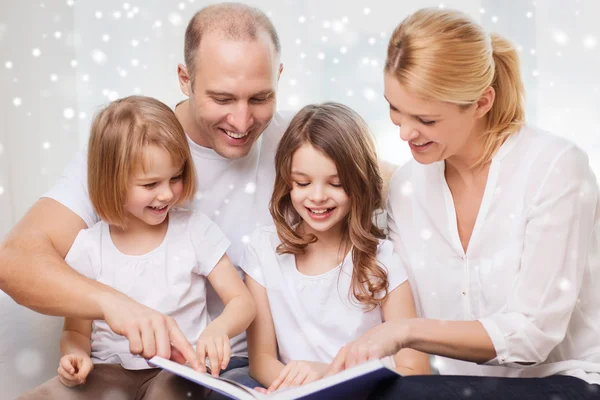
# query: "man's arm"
33,272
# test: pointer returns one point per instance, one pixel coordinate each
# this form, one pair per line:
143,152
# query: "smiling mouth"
421,144
320,211
236,135
158,208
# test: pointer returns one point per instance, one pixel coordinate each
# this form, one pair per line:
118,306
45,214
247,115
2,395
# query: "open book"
356,382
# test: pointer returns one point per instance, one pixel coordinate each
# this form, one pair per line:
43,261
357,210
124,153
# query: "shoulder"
265,237
547,152
385,251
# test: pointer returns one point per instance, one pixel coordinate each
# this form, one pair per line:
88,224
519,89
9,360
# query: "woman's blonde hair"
119,135
444,55
344,137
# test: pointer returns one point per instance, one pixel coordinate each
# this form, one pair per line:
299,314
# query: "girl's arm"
399,306
75,338
265,366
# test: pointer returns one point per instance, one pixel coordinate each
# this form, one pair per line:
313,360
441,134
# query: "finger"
179,341
261,390
213,357
219,349
161,337
226,353
66,382
338,362
148,340
177,356
67,364
135,340
201,354
298,379
287,382
275,384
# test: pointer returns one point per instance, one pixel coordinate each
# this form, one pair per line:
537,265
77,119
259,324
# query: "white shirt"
531,272
314,316
235,194
170,279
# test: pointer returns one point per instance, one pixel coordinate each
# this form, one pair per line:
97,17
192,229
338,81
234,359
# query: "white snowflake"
8,64
370,94
175,19
105,37
561,37
1,148
302,19
74,63
250,188
564,284
112,95
98,56
589,42
53,77
321,56
98,14
367,11
407,188
46,145
36,52
57,34
293,101
82,115
17,101
245,239
426,234
68,113
494,19
117,15
1,190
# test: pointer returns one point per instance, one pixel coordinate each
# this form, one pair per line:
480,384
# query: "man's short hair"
235,21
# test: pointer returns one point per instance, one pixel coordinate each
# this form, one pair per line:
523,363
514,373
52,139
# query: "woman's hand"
384,340
298,373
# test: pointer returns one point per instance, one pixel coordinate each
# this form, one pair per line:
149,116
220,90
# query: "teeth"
421,144
236,135
158,208
320,211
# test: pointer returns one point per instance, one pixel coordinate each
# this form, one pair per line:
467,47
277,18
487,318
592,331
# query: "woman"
496,222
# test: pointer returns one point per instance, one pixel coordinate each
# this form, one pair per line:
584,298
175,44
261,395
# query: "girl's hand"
215,346
297,373
384,340
73,369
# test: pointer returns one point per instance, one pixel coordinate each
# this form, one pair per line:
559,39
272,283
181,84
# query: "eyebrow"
267,92
307,176
412,115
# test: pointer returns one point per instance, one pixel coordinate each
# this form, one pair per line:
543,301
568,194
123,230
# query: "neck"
190,127
461,164
138,227
335,239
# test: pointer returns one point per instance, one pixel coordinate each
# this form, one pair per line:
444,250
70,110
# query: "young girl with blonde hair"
140,171
324,274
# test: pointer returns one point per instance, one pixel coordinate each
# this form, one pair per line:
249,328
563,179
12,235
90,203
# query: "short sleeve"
71,190
209,241
250,262
80,255
392,263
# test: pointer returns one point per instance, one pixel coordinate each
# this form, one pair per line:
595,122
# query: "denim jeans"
556,387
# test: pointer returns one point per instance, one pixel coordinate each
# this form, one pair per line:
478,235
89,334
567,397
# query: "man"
232,57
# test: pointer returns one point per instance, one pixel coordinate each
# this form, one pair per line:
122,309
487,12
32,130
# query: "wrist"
407,333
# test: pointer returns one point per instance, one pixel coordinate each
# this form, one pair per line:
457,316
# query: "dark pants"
238,371
556,387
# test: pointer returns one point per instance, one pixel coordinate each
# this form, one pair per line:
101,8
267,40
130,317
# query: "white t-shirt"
314,316
531,272
235,194
170,279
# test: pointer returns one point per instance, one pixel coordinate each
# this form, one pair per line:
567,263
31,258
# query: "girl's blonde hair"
343,136
119,135
444,55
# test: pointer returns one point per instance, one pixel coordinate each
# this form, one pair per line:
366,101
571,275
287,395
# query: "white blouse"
531,273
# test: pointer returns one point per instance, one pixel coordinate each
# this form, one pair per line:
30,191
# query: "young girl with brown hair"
323,275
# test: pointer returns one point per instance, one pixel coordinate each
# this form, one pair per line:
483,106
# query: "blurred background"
62,60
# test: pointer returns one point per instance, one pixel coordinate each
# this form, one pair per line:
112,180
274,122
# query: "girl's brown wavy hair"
343,136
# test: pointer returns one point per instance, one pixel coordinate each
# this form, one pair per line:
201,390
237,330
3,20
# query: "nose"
318,194
241,118
408,132
166,194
